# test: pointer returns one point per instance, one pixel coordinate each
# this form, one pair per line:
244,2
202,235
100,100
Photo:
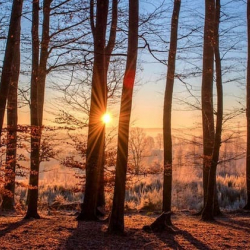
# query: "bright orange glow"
106,118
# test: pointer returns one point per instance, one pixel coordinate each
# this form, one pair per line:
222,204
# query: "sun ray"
106,118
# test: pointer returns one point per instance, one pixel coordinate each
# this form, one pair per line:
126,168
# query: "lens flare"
106,118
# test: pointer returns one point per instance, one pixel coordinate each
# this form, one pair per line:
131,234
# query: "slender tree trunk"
112,35
108,51
208,211
219,87
96,134
9,57
116,223
207,93
8,201
35,131
37,101
167,135
247,206
42,70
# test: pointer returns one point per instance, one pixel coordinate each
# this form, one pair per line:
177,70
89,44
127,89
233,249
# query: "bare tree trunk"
207,93
44,54
217,210
108,50
8,201
96,134
247,206
116,223
9,57
209,209
219,87
167,135
37,100
101,191
35,141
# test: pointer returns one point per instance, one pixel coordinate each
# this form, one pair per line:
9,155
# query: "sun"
106,118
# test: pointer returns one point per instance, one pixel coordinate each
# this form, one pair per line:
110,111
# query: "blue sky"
148,101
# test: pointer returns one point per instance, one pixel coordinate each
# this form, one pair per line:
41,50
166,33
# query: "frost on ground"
61,231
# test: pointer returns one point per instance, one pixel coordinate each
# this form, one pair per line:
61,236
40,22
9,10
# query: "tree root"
247,207
99,217
162,223
32,216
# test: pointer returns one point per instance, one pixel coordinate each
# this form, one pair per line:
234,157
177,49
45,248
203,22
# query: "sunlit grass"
144,191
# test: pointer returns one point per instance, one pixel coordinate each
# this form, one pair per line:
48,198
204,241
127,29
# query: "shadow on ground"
11,227
93,235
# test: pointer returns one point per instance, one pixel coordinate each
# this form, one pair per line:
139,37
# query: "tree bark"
108,51
207,93
247,206
44,54
219,87
8,201
208,211
116,223
38,80
96,133
167,135
9,57
35,141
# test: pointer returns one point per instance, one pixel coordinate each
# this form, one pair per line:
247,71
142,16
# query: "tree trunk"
219,87
217,210
108,51
101,191
35,131
8,201
96,133
207,93
247,206
208,211
42,70
167,135
37,100
116,223
9,57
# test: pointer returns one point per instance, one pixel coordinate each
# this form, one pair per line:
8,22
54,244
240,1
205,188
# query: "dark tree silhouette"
9,57
247,206
108,51
116,223
208,211
35,137
207,93
8,200
96,134
167,134
163,222
38,78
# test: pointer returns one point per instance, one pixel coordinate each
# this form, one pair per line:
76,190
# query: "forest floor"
62,231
